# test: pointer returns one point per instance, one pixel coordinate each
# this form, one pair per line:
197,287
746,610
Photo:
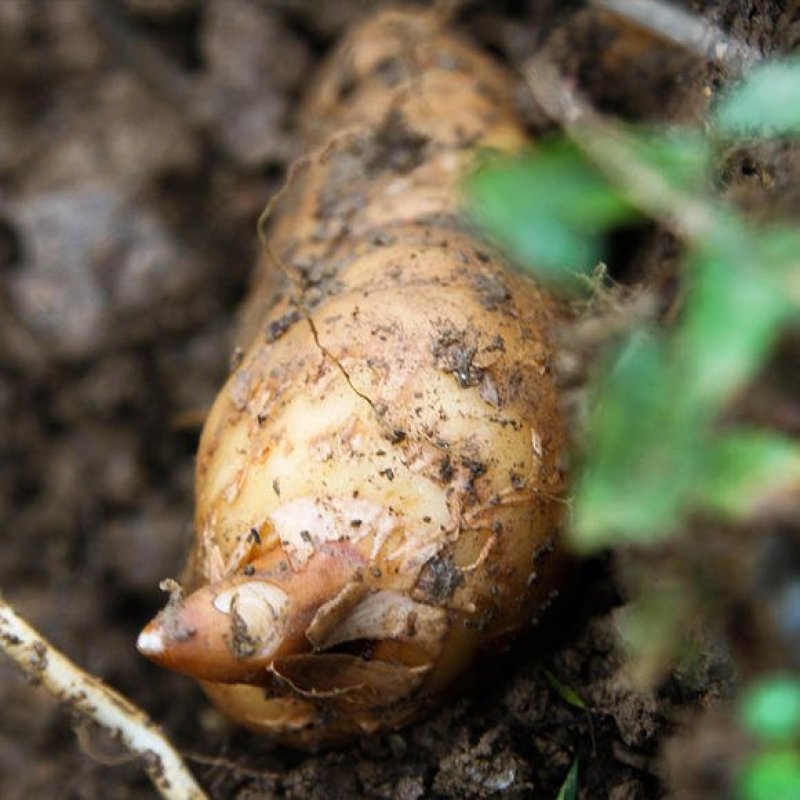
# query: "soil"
139,141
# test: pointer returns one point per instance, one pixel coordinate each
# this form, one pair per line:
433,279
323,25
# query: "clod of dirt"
702,760
160,9
253,65
96,269
629,790
490,768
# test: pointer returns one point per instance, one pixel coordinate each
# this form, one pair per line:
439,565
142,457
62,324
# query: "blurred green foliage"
551,209
771,776
770,709
660,444
765,104
656,449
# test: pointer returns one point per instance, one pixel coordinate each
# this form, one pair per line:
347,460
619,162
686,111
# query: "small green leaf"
770,776
549,208
681,155
642,453
569,789
748,470
566,693
770,709
651,454
733,315
779,250
765,103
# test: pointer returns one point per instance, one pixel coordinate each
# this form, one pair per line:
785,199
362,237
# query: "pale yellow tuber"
378,481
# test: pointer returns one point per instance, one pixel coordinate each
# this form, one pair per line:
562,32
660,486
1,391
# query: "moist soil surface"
139,141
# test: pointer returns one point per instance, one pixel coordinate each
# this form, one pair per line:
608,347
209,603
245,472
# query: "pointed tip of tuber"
232,630
151,641
225,632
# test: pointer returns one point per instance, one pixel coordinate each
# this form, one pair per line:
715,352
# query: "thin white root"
90,697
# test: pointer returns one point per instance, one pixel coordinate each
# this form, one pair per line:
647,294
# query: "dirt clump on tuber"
377,489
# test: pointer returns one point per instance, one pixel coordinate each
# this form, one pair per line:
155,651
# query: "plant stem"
685,29
608,147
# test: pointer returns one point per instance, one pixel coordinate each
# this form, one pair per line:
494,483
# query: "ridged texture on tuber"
377,483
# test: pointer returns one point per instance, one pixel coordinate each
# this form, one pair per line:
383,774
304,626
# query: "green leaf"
779,249
569,789
651,451
766,102
643,452
681,155
748,470
566,693
733,314
770,776
549,208
770,709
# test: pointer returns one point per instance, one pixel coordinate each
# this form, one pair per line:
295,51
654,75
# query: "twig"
611,151
684,29
91,698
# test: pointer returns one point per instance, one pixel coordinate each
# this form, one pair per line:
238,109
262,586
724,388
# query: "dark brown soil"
139,141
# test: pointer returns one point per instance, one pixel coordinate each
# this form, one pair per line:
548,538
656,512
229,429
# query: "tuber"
377,488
